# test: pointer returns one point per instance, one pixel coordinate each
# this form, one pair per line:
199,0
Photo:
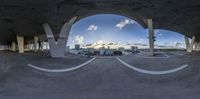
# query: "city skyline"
108,28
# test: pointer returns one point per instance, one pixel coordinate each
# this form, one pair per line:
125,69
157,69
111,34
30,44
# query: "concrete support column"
47,45
35,43
151,36
197,46
42,45
13,46
20,42
57,48
29,45
189,45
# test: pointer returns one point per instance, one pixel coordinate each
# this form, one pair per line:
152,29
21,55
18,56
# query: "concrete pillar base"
197,46
189,45
35,43
42,46
20,42
13,46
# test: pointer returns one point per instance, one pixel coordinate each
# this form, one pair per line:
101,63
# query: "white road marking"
153,72
61,70
167,56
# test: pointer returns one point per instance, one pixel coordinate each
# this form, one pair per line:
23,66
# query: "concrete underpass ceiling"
25,17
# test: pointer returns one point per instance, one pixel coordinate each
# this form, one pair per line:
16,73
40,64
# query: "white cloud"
79,39
92,27
141,41
100,42
124,22
158,33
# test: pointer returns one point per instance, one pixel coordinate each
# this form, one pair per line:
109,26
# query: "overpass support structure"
20,43
57,47
189,45
13,46
197,46
151,36
35,43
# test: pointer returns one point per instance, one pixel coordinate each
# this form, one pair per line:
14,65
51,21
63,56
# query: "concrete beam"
57,48
20,42
189,45
151,36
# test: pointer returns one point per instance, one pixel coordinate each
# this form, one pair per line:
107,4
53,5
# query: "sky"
109,28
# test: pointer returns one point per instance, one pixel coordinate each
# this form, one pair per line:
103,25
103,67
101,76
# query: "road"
103,78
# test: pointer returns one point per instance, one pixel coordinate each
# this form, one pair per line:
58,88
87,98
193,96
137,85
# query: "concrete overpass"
25,18
169,75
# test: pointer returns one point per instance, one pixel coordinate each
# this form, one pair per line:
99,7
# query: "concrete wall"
3,47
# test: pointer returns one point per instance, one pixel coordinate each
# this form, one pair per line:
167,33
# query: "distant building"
77,47
134,48
102,51
91,50
106,52
67,49
117,52
109,52
73,51
121,49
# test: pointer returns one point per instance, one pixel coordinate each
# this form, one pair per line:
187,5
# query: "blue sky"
115,28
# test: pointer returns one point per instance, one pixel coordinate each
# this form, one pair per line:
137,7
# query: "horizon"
110,28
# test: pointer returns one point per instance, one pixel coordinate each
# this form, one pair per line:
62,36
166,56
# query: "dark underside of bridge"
25,17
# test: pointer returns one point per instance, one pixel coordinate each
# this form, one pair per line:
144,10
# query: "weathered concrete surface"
25,17
160,62
161,66
156,55
104,78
